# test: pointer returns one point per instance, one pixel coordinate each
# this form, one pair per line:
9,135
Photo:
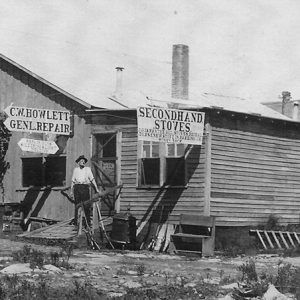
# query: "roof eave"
81,102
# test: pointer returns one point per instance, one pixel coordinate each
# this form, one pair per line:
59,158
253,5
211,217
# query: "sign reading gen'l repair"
40,120
170,125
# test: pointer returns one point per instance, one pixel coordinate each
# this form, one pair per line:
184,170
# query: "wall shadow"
32,196
166,198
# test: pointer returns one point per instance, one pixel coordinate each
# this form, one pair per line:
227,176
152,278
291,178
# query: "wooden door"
104,162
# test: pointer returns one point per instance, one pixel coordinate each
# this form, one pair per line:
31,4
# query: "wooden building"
35,179
246,168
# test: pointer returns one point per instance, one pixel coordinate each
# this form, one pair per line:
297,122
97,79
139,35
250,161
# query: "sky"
248,49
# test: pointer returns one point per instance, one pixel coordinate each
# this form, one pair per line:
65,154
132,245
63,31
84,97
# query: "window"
150,164
175,165
44,171
161,164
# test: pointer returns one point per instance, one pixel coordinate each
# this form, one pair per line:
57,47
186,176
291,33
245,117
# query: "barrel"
123,229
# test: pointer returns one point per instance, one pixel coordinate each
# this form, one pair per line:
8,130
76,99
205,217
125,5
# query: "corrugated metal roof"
88,92
133,100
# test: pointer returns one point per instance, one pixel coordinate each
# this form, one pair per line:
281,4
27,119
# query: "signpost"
39,120
48,147
170,125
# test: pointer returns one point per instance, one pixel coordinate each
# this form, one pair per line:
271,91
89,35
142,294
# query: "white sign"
40,120
48,147
170,125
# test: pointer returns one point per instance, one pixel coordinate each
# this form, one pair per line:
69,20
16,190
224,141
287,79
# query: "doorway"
104,163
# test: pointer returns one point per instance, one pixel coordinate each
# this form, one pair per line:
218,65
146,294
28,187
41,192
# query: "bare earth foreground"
114,272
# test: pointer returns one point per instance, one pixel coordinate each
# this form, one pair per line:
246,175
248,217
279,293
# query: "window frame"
163,156
43,165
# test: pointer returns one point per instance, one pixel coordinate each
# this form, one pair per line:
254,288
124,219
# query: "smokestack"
119,82
295,110
180,71
286,97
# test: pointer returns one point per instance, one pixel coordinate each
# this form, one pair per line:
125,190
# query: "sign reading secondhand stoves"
40,120
31,145
170,125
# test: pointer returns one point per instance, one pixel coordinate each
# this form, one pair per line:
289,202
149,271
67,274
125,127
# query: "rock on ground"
273,294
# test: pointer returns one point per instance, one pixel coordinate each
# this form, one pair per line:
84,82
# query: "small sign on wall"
38,146
170,125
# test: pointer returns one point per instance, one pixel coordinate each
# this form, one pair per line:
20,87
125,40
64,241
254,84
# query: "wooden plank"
207,168
260,209
188,235
222,195
290,238
296,237
257,214
261,239
276,240
251,189
266,150
264,158
265,175
268,239
246,135
217,202
160,237
280,167
221,220
217,177
170,231
197,220
118,170
283,239
187,251
252,166
216,168
280,208
60,224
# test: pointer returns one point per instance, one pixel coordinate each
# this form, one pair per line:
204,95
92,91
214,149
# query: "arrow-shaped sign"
26,119
31,145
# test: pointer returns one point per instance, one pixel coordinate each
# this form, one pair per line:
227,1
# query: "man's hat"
80,158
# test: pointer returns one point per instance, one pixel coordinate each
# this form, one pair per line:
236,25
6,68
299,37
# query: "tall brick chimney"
180,71
286,97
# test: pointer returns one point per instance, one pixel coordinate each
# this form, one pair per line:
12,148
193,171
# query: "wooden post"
95,219
118,168
79,220
207,170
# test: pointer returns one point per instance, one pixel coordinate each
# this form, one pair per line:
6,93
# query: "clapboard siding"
255,172
148,203
22,89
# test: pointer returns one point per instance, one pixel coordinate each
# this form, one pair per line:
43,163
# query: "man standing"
80,187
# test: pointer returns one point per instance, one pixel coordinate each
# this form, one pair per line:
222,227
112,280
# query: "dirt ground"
114,271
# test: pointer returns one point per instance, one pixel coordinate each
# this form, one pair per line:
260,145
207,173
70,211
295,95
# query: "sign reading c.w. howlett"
40,120
170,125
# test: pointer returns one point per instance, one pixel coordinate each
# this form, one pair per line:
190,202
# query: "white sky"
249,49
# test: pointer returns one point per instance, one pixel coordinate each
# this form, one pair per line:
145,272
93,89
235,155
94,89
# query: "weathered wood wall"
255,170
148,203
23,89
